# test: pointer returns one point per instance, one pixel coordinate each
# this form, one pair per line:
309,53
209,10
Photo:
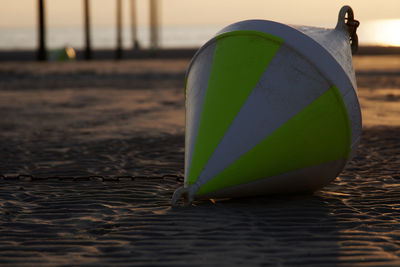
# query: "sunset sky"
22,13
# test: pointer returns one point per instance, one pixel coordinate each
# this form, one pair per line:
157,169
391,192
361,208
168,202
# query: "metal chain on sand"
101,178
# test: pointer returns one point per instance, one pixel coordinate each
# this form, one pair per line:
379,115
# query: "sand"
104,142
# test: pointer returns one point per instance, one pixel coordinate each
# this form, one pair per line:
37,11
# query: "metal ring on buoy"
178,194
346,20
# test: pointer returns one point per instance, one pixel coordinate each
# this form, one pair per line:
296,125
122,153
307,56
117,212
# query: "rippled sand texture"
115,119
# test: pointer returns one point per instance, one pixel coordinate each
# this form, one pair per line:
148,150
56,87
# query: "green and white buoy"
270,108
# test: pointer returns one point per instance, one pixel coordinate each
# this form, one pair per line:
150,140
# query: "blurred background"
182,23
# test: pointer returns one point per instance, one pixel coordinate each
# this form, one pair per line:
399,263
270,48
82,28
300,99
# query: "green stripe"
186,80
319,133
240,58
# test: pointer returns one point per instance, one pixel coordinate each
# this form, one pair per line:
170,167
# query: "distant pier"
155,24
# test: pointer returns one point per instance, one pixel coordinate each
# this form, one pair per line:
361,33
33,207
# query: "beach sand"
104,142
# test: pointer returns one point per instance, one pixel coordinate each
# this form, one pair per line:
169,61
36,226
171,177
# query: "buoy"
270,109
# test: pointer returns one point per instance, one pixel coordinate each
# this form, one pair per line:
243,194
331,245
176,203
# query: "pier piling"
88,48
42,51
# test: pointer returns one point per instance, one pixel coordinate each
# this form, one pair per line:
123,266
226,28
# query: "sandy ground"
124,119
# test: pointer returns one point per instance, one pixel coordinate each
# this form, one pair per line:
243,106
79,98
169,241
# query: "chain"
101,178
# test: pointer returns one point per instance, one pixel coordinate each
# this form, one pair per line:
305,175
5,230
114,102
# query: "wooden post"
135,41
42,53
154,24
86,14
118,51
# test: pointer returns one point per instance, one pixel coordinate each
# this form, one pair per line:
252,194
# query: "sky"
22,13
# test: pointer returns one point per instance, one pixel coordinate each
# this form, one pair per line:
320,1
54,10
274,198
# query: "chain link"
101,178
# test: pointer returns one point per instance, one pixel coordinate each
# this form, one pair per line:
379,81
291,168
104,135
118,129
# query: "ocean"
105,37
377,32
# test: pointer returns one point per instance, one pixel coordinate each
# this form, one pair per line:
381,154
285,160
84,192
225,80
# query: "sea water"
105,37
376,32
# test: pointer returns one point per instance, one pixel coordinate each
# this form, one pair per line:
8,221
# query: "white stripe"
336,42
353,109
197,83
